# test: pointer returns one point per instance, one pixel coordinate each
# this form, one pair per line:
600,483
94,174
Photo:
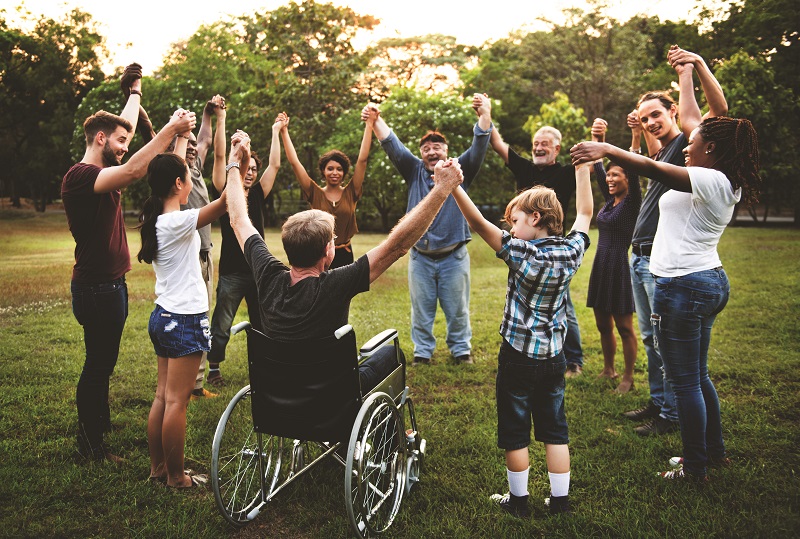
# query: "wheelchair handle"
241,326
342,331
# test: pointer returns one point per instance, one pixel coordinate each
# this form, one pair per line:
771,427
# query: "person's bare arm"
181,143
113,178
212,211
360,170
267,180
688,109
447,176
379,127
131,84
498,144
218,168
483,107
491,233
236,200
299,170
204,135
672,176
584,200
715,97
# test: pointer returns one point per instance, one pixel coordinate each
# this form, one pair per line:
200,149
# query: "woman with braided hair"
691,287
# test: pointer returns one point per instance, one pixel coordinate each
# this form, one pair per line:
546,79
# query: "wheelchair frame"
383,460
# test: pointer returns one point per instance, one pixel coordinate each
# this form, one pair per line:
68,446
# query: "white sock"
518,482
559,484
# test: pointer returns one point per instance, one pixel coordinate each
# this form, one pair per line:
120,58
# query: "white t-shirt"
180,287
691,224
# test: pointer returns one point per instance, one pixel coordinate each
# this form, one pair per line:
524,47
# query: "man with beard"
544,170
91,193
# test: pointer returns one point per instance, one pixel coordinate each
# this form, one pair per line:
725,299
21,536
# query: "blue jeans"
527,390
101,308
573,350
231,289
643,289
177,335
684,310
447,281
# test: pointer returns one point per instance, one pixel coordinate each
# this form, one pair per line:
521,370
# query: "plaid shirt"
539,271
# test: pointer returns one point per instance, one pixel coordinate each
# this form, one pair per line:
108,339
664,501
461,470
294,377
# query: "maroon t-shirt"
95,220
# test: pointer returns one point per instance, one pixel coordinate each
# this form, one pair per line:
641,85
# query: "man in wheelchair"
306,300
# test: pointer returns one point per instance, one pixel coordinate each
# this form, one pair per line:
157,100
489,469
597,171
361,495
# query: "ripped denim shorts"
177,335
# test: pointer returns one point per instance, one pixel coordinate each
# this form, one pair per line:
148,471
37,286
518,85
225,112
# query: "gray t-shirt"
311,309
647,222
198,198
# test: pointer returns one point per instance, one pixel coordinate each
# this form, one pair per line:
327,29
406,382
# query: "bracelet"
184,136
137,92
635,150
230,166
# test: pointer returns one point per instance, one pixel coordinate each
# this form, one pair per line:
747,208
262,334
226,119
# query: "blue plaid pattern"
539,271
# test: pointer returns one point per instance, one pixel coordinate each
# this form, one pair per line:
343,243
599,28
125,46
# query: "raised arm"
131,84
212,211
672,176
584,201
220,142
236,200
688,109
204,135
145,126
447,176
267,180
379,126
491,233
113,178
360,169
499,145
297,167
715,97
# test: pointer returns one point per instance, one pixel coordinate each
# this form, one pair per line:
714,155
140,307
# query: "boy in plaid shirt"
530,376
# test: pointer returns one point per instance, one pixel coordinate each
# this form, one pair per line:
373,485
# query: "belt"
642,249
438,255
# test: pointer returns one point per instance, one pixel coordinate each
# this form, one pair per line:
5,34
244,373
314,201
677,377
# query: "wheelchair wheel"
236,461
415,450
376,466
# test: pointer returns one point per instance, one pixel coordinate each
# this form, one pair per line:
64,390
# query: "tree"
44,75
753,92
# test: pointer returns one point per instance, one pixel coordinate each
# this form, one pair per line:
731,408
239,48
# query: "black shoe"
648,412
657,426
515,505
465,359
421,360
558,504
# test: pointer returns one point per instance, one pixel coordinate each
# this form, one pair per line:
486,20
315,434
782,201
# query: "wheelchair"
303,404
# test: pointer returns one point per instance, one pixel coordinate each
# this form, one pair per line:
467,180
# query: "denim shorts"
529,389
177,335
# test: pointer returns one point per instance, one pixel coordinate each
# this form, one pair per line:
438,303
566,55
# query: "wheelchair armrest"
342,331
241,326
368,348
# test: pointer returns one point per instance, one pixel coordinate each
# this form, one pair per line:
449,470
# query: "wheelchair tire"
237,461
376,466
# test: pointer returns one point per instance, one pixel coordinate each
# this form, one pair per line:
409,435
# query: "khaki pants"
207,270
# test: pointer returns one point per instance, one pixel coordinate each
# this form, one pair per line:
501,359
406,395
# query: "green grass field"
754,361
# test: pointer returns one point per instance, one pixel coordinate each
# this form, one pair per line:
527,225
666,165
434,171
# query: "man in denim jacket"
438,269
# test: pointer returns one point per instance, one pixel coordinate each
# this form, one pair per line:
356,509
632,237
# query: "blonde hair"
306,235
542,200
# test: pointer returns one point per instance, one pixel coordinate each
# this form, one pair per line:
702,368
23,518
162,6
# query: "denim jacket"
449,227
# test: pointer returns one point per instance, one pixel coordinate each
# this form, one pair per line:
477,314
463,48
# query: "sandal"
216,379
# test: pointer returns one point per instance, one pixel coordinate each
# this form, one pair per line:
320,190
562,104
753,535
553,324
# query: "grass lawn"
754,361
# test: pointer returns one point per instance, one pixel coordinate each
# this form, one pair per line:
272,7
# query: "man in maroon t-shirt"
91,193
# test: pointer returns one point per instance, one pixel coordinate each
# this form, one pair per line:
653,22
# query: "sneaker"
558,504
421,360
724,462
465,359
573,370
203,393
215,379
657,426
650,411
678,474
515,505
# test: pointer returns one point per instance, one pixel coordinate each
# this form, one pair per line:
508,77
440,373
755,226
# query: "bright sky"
142,30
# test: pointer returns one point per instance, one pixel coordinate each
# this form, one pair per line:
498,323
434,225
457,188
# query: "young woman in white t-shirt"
691,287
179,327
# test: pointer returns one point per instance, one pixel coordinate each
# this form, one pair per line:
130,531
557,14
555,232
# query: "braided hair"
737,141
161,174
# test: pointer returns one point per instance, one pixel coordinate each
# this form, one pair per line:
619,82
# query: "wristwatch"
230,166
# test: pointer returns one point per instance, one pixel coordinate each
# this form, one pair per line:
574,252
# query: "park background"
301,57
